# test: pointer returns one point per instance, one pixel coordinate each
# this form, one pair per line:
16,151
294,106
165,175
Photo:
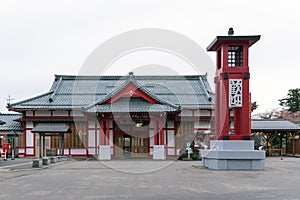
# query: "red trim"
24,124
154,132
175,133
161,132
107,133
87,134
167,139
102,137
129,91
149,142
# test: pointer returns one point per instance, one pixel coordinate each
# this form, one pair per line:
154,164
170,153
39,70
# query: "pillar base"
159,152
233,155
104,152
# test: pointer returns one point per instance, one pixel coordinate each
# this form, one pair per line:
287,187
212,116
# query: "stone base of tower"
233,155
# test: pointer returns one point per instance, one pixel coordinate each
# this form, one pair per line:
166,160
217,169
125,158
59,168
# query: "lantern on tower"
232,96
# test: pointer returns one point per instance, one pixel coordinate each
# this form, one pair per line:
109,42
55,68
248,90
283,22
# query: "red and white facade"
129,133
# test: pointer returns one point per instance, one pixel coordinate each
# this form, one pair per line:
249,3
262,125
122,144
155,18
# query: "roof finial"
230,31
9,99
130,73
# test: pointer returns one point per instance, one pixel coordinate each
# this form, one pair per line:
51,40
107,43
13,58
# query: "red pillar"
161,133
155,131
107,132
86,136
102,137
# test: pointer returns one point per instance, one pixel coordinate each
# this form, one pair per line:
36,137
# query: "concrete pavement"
146,179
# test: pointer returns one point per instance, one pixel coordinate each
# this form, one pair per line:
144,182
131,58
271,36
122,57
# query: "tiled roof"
134,104
10,122
51,128
273,124
131,105
77,92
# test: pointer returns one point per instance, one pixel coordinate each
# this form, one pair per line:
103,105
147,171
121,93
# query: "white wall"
29,138
202,113
29,124
29,113
186,113
91,138
201,124
42,113
171,138
60,113
76,113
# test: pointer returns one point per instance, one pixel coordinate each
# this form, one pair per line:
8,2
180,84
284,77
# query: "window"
235,56
219,56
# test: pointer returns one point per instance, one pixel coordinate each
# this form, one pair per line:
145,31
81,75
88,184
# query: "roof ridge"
205,89
51,98
10,114
30,99
91,77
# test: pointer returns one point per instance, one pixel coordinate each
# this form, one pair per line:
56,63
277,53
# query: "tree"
292,101
271,114
279,114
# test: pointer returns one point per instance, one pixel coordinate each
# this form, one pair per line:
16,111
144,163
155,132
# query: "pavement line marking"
16,165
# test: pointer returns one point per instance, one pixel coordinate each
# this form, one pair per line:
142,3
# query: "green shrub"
194,156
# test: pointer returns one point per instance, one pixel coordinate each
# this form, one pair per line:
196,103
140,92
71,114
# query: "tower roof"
214,45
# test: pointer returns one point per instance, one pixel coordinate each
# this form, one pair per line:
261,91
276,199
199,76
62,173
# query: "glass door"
127,146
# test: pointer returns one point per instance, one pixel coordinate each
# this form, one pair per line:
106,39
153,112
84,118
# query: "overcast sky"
41,38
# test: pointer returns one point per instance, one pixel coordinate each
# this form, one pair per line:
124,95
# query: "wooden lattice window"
235,56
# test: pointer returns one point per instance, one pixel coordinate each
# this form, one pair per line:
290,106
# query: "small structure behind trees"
280,129
276,135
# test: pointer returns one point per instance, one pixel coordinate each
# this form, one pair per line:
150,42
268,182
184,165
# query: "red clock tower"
232,100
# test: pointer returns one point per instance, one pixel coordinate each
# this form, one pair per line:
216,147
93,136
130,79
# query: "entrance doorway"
37,146
127,146
139,147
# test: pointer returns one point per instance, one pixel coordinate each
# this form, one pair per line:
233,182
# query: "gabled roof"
135,104
77,92
11,122
51,128
274,125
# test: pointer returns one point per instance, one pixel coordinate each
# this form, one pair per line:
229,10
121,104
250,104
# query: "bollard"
59,158
36,163
45,161
52,160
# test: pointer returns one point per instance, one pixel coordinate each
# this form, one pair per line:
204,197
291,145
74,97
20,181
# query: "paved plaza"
147,179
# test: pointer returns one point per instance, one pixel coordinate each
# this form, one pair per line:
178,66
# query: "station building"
131,114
